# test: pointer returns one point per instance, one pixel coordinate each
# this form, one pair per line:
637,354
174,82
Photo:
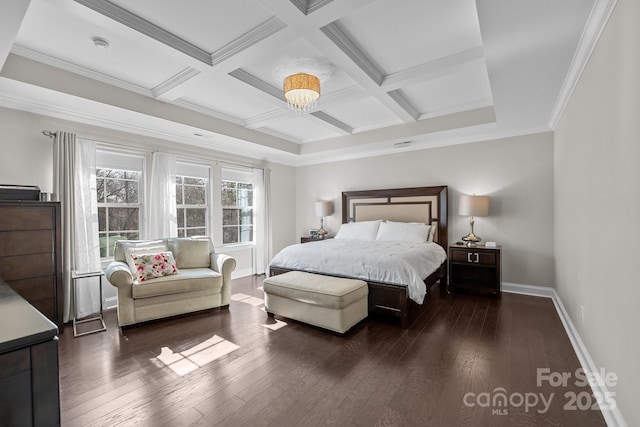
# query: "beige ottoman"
328,302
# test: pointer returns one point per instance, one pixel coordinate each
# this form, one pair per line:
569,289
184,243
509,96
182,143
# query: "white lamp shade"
473,205
323,208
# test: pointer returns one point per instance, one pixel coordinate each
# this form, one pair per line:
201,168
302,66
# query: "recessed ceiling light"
101,43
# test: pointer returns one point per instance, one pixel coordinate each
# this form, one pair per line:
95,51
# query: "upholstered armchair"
201,278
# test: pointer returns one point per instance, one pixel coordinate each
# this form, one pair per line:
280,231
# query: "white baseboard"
109,303
236,274
613,417
536,291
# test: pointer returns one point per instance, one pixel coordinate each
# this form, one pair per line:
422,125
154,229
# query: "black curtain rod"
49,133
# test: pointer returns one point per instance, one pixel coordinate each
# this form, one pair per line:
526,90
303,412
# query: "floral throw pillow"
151,266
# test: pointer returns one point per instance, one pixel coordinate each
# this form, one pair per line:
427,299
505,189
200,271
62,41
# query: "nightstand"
313,239
475,268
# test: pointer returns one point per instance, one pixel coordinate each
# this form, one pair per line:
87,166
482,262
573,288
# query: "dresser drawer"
35,289
26,242
473,256
18,218
26,266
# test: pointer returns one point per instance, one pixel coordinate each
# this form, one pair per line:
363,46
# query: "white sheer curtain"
262,212
74,186
163,216
87,243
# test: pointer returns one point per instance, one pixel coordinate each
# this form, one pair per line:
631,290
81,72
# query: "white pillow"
403,231
432,233
363,230
191,253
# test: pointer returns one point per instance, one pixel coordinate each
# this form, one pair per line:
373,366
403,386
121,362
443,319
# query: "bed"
388,296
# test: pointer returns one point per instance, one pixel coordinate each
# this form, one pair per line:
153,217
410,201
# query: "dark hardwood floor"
238,367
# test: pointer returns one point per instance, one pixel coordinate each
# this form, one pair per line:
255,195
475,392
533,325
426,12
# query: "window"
119,207
191,202
237,211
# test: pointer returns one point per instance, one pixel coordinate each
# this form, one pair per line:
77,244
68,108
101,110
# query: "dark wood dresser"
30,254
29,381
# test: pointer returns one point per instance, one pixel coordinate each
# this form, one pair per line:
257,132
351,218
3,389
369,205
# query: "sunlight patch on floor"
247,299
195,357
276,325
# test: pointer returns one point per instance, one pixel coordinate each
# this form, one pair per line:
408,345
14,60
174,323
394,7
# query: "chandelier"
301,91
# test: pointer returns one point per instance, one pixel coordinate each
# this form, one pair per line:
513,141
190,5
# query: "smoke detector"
101,43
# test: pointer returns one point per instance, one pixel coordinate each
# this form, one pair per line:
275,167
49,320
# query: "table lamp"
473,206
323,209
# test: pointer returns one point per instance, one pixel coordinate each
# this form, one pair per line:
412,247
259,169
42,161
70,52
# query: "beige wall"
26,157
517,173
597,205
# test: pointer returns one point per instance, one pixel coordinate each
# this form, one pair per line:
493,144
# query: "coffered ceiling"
395,74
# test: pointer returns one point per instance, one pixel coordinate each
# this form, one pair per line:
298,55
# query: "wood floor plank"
236,367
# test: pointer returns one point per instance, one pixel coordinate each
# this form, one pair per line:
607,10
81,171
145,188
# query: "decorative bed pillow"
363,230
403,231
152,265
432,233
192,253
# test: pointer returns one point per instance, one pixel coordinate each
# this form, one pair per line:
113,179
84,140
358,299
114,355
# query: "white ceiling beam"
343,96
163,90
275,92
341,51
145,27
230,57
432,69
13,13
263,31
343,128
319,13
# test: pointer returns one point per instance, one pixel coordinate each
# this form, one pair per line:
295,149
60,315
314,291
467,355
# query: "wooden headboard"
420,204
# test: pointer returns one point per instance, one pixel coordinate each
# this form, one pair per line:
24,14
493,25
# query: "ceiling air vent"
403,144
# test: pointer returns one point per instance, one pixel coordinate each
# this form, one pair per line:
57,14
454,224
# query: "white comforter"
403,263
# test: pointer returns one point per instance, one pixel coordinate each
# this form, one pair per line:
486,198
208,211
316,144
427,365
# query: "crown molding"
343,128
217,143
598,18
430,70
302,5
307,7
471,105
174,81
207,111
313,5
256,83
337,35
77,69
248,39
264,119
482,133
404,103
348,94
123,16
